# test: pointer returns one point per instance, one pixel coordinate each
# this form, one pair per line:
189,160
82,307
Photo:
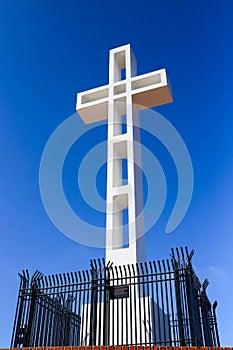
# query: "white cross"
124,95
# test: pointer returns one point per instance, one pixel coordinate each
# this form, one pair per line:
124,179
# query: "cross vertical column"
123,160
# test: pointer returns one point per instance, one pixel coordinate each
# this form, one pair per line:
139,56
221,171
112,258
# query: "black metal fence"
155,303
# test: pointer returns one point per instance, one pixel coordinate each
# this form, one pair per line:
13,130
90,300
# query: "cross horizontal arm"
92,105
151,90
148,90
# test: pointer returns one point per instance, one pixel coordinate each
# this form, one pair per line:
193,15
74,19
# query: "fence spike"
100,265
164,266
168,265
155,267
72,277
119,267
76,279
64,277
68,277
151,267
205,284
182,253
50,281
54,281
159,265
173,254
93,264
57,278
178,254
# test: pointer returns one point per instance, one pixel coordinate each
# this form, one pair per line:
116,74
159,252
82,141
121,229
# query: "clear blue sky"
50,50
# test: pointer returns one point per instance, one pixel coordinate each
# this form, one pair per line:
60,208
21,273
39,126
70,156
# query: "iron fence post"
193,307
19,316
27,342
178,304
106,305
94,297
216,324
206,312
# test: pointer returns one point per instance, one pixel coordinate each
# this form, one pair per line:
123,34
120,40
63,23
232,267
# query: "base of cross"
146,321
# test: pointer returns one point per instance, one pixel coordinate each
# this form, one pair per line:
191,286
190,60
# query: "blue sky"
50,50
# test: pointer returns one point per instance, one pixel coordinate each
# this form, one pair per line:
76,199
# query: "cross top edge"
121,48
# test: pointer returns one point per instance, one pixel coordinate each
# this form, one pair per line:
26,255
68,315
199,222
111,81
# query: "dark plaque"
119,292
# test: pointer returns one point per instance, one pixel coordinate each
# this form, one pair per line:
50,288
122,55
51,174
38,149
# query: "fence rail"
155,303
